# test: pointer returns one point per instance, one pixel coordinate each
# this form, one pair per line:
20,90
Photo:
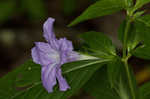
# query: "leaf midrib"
85,65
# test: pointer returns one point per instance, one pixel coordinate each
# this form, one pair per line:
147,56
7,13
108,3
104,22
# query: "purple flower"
51,56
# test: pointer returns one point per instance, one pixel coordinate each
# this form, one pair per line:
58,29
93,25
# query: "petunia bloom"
51,56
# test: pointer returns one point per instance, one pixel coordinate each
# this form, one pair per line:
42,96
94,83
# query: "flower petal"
43,54
49,77
65,45
35,55
73,56
66,50
63,85
48,29
43,47
49,33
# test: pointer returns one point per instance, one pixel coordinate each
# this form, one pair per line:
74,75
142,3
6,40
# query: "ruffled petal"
66,50
63,85
49,33
35,55
44,47
43,54
48,29
65,45
63,58
49,77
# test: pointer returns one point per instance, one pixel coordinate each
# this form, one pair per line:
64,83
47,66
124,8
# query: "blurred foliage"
69,6
6,10
9,8
34,8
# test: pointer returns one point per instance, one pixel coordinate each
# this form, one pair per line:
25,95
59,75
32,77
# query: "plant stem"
126,56
125,37
129,79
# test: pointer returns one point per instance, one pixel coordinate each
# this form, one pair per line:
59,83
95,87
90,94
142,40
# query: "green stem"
125,37
126,56
129,79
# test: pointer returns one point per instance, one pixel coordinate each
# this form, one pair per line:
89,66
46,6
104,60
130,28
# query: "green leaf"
69,67
140,3
144,19
6,9
99,87
142,52
100,8
138,14
25,81
143,31
35,8
99,44
145,90
8,83
113,69
24,77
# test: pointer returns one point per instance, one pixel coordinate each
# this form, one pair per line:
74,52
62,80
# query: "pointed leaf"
100,8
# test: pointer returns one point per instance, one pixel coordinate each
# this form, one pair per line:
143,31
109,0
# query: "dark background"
21,25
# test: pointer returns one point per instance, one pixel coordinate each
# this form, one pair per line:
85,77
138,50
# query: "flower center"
54,56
